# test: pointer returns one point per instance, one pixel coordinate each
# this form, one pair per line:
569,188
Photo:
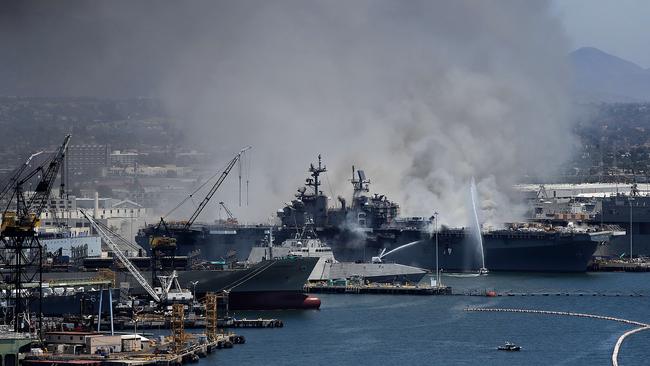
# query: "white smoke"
423,95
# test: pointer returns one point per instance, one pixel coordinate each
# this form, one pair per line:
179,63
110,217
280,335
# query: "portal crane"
228,212
25,219
163,243
20,245
232,220
11,184
214,188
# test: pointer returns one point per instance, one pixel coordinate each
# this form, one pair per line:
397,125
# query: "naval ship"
371,224
328,267
268,285
627,213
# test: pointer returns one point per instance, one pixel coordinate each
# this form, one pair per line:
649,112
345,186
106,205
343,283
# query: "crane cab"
12,225
162,242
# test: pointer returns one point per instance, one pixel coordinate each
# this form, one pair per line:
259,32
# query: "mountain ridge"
602,77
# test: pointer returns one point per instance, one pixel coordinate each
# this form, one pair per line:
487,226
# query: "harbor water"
429,330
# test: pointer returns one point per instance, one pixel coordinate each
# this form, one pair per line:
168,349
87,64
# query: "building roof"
127,204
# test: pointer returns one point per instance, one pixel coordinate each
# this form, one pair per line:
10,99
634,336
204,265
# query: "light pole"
194,283
435,224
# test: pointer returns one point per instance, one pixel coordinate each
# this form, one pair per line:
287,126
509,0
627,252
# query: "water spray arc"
383,253
479,238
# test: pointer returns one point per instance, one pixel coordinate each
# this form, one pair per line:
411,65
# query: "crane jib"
214,188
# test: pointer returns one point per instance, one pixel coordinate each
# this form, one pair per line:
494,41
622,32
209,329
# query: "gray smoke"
421,94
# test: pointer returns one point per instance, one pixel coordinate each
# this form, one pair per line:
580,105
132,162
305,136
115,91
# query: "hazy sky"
620,27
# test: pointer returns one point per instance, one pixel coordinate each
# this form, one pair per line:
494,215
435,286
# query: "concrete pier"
377,289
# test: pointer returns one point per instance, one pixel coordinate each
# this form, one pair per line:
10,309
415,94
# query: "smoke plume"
422,95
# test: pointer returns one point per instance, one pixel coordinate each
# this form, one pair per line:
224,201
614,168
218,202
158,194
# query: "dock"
253,323
620,266
376,289
186,355
162,322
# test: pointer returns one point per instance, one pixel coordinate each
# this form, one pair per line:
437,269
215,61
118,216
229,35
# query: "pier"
377,289
619,342
620,266
185,355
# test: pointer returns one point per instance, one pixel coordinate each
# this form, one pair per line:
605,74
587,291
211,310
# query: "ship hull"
503,252
619,246
272,285
539,252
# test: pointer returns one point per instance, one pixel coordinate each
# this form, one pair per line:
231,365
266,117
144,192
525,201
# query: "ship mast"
360,184
315,173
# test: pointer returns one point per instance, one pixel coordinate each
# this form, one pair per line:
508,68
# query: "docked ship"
628,214
631,212
329,268
371,223
269,285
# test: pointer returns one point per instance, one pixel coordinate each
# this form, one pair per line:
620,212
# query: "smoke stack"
96,205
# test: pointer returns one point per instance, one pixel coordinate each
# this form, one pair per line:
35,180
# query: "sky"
423,95
617,27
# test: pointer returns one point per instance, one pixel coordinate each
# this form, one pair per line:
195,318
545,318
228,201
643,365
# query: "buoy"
311,302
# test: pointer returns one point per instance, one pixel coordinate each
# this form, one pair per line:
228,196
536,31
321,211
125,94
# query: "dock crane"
167,239
232,220
13,179
214,188
19,242
163,241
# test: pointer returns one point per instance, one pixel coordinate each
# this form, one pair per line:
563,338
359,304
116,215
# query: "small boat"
509,347
483,271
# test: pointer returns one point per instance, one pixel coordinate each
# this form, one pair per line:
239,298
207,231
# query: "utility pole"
435,221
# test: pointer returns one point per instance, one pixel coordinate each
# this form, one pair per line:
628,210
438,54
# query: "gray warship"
328,267
371,224
269,285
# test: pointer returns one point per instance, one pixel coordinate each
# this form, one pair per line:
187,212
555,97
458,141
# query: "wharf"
510,293
253,323
123,323
377,289
189,354
620,266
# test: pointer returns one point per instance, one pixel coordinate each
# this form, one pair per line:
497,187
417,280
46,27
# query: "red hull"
279,300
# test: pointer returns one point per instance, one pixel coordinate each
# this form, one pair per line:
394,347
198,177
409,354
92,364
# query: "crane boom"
17,173
108,236
42,191
214,188
228,212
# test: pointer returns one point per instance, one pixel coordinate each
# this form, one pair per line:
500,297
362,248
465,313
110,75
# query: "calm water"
414,330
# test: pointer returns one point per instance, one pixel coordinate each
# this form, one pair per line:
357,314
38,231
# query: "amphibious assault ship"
371,224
